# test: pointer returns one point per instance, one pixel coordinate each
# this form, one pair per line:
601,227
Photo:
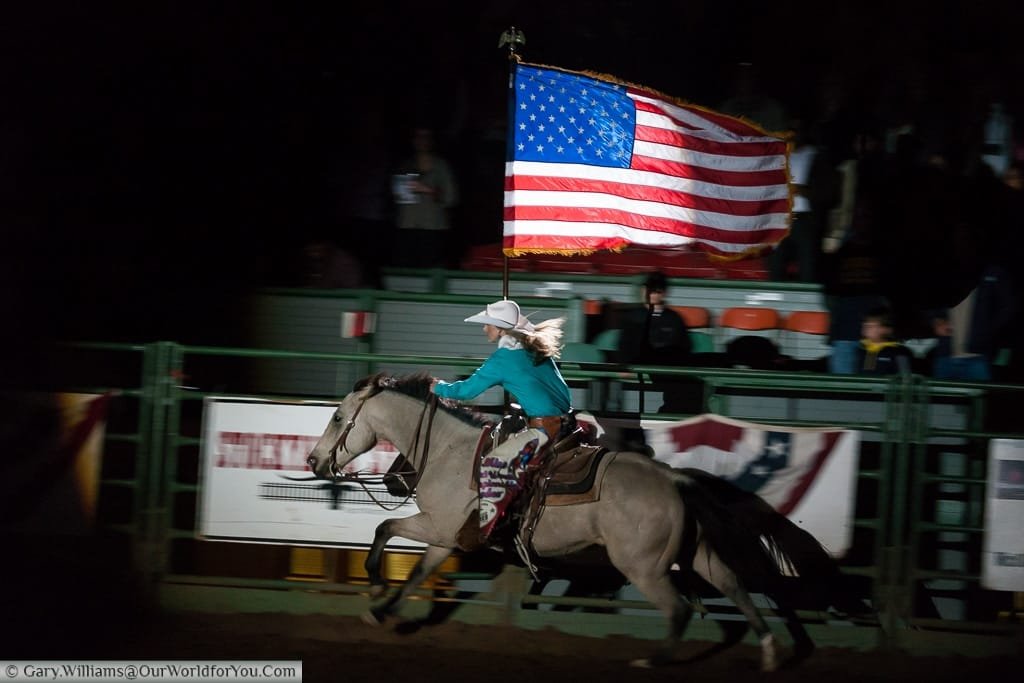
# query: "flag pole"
513,37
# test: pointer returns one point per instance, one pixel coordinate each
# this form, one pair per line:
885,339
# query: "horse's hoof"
769,662
372,618
642,663
772,654
378,589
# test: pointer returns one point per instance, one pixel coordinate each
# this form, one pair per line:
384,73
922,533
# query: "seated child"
879,353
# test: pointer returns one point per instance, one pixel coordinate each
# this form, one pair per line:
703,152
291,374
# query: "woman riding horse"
523,365
649,517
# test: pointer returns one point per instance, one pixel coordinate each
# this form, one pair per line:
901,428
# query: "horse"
649,517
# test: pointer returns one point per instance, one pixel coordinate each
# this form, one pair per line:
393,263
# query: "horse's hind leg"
428,562
661,593
724,579
803,646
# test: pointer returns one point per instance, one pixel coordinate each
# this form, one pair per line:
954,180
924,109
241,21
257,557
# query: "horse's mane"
417,385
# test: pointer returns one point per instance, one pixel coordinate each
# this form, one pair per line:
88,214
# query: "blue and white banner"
808,474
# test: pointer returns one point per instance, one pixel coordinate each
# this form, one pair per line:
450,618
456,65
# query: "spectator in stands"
361,193
971,333
654,334
424,190
879,353
815,183
856,276
1010,247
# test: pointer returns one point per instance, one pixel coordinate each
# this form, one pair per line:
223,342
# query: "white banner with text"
255,485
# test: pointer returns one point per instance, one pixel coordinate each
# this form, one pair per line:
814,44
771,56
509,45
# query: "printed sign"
1002,554
256,487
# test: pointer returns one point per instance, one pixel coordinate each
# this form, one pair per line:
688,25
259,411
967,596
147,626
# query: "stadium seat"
695,317
580,352
805,335
701,342
608,340
749,320
698,320
808,322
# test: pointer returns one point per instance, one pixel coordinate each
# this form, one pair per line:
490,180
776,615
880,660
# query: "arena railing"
160,387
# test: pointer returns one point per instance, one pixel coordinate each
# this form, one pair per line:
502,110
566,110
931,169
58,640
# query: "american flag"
598,165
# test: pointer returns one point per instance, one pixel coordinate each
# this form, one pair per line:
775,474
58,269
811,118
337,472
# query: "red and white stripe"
696,177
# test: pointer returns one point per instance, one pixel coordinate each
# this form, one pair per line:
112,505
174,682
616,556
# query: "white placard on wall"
1002,561
255,486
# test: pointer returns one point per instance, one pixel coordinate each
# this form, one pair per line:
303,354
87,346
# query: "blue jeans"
843,360
971,368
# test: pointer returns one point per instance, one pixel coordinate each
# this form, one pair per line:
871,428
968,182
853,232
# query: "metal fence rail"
917,519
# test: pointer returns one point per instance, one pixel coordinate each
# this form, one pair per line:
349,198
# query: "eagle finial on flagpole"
512,37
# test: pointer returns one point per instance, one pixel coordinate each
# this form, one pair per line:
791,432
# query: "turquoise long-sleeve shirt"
539,389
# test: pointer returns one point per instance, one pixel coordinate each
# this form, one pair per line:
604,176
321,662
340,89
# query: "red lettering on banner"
247,450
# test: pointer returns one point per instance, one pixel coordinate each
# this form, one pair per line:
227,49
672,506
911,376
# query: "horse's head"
346,436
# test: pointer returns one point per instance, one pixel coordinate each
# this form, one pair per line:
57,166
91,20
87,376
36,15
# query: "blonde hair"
544,341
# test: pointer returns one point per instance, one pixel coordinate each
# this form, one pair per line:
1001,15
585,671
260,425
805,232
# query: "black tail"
762,545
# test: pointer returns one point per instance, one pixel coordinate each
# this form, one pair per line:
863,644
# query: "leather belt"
551,424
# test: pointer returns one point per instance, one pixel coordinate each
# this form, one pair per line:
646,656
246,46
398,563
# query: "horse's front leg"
418,527
383,534
430,560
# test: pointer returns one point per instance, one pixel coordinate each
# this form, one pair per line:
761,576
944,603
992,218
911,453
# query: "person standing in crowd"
523,365
815,183
972,332
654,334
856,276
424,189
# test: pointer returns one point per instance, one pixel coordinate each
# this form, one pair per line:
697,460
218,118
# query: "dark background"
158,160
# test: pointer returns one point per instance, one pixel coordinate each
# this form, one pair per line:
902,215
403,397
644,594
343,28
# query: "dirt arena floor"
344,649
58,611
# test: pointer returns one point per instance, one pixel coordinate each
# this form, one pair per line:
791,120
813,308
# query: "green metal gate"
903,516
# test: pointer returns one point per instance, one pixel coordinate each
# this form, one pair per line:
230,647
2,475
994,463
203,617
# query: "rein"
430,403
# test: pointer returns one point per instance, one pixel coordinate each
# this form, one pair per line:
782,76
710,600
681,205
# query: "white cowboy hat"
504,314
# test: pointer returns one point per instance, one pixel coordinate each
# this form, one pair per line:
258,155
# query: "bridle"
340,443
362,480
